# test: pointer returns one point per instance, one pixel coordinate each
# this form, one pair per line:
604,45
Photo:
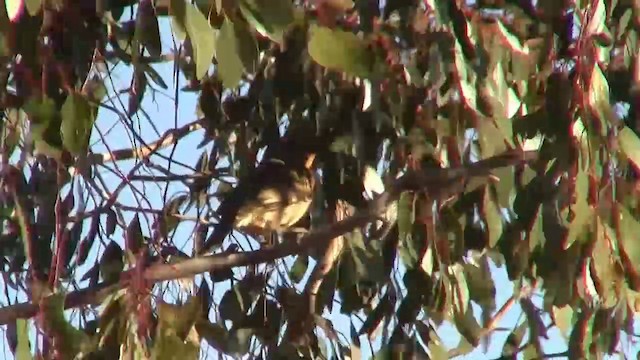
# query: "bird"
271,198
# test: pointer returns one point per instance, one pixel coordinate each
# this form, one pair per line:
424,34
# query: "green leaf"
234,304
176,329
133,239
580,338
230,67
630,145
270,18
178,319
239,340
147,30
40,112
188,20
468,327
578,215
12,129
215,334
23,349
492,217
78,117
629,228
482,290
69,340
341,50
111,262
299,268
33,6
406,215
605,261
513,341
459,289
562,318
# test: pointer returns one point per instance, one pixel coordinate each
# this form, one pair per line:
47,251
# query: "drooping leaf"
69,340
228,47
45,126
176,334
299,268
579,214
23,349
630,145
341,50
492,217
215,334
147,29
133,239
188,20
33,6
562,318
78,117
269,17
111,263
12,128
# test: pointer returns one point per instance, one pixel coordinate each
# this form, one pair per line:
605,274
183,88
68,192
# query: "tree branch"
434,182
169,138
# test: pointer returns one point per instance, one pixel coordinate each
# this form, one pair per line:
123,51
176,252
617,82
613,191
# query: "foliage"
408,88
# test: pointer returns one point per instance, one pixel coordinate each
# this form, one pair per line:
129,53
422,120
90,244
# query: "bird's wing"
234,204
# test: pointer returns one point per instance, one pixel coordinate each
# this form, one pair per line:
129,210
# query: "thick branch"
434,181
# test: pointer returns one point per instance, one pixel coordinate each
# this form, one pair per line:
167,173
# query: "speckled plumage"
274,197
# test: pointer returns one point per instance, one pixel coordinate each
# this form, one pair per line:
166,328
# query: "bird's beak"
309,162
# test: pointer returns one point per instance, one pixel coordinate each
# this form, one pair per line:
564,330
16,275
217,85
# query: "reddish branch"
435,182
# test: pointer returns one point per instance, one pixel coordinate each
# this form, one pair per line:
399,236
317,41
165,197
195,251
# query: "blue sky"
161,107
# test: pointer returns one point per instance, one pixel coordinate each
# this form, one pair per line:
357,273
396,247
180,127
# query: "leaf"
468,327
215,334
578,215
230,67
482,290
562,318
42,113
12,128
459,289
513,341
178,319
341,50
87,243
23,349
69,340
188,20
234,304
269,17
299,268
111,262
239,340
382,310
629,228
33,6
133,239
630,145
580,338
604,270
406,215
112,221
78,117
492,217
147,30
